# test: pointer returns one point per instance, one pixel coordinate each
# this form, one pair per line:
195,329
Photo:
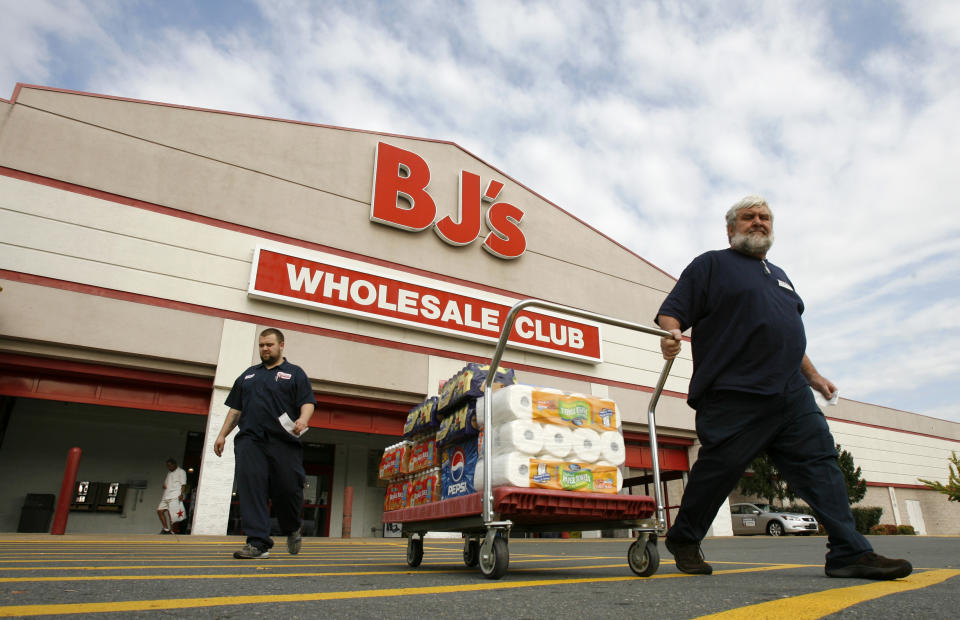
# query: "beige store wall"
68,236
309,182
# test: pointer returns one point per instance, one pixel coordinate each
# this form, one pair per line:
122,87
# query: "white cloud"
644,119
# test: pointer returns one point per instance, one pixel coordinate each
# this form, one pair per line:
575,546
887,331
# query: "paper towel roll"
557,441
518,436
586,445
514,402
612,449
509,469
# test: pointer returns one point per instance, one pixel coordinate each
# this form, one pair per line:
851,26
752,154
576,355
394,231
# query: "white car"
764,519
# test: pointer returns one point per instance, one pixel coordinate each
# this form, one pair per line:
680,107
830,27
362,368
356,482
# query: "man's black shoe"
688,557
872,566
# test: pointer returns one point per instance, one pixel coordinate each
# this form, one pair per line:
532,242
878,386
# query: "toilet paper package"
459,424
423,417
521,470
548,406
458,463
468,383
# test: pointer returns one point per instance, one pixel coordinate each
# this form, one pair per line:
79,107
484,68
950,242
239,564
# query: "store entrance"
318,465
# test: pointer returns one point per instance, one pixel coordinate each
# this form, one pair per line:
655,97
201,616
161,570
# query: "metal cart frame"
492,554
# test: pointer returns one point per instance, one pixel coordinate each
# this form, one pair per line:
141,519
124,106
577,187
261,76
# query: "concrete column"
722,523
215,485
895,506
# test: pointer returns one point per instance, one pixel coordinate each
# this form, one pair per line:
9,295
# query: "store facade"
145,245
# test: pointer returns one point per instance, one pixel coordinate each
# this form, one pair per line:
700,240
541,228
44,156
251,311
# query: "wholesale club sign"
334,284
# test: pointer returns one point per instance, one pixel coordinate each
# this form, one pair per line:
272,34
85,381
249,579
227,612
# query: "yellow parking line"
193,603
820,604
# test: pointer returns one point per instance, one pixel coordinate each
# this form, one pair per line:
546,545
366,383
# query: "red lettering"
505,240
401,174
467,229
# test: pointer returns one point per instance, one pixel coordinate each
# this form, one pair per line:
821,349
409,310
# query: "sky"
647,120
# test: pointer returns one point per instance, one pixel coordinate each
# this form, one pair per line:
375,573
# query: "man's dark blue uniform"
269,460
751,391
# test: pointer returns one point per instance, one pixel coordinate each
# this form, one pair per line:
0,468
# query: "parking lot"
195,576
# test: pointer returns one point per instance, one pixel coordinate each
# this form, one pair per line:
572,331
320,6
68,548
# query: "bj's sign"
344,286
400,199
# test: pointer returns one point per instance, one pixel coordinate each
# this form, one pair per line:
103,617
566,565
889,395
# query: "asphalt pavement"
196,577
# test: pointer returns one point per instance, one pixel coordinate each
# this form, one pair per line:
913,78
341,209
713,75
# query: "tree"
766,481
856,486
952,488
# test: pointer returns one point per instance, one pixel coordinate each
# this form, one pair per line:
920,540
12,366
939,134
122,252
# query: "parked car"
765,519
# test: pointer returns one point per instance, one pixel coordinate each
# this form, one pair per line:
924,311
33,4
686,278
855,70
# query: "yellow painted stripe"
272,575
191,603
819,604
270,564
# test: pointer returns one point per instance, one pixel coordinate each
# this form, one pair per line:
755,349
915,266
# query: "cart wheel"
499,560
471,552
644,560
414,551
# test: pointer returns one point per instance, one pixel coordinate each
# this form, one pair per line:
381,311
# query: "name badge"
283,375
784,285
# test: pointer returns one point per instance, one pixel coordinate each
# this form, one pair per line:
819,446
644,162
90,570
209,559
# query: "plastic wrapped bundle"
425,488
422,418
517,469
396,497
395,460
423,454
468,383
459,424
549,406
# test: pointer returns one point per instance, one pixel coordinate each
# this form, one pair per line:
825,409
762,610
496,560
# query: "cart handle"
488,398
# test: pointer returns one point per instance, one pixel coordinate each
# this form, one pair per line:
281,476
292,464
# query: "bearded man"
751,391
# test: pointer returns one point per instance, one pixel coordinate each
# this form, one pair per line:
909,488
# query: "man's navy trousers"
269,468
733,428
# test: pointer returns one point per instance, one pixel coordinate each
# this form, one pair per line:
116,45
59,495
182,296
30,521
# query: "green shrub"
906,530
866,518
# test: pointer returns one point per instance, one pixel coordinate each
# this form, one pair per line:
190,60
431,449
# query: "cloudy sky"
645,119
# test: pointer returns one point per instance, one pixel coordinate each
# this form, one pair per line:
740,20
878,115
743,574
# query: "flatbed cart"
487,517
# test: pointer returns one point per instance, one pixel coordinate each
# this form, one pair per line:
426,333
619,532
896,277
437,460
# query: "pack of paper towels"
550,439
559,443
517,469
549,406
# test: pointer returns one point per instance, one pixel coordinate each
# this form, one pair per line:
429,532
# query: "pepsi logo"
458,463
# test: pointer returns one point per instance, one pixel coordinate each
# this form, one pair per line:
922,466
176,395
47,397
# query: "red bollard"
347,512
66,491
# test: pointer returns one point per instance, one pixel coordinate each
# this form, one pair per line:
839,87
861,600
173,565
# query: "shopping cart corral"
486,518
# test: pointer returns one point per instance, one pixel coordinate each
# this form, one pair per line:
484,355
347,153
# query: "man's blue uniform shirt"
262,395
747,332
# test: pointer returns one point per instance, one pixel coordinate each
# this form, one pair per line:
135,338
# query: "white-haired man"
751,391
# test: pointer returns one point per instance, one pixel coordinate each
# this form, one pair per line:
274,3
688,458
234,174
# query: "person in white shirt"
171,509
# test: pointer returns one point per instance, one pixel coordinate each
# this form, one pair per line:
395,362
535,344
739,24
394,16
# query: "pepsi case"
458,463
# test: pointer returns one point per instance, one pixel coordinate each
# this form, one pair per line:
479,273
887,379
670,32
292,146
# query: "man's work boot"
871,566
688,557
